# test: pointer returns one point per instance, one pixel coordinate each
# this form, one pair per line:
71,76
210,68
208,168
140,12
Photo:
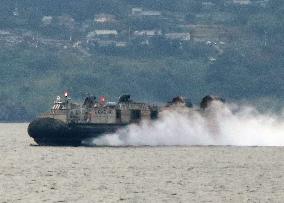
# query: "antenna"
129,32
265,38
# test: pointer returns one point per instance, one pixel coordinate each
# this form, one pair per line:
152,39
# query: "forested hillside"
152,49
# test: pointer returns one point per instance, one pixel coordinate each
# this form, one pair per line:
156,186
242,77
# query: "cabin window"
135,114
118,114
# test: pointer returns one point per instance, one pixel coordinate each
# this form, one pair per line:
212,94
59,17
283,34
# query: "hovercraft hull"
53,132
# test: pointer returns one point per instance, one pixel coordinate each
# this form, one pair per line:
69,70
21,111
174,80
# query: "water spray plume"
220,124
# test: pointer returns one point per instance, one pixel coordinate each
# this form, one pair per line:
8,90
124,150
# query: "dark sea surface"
29,173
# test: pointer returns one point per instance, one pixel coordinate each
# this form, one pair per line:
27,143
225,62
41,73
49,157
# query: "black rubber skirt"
53,132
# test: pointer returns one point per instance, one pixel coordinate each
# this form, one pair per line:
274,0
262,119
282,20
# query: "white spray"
221,124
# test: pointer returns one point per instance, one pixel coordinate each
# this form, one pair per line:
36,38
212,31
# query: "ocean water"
29,173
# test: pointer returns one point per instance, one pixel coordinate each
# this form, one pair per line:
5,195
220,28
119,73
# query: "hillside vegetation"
45,50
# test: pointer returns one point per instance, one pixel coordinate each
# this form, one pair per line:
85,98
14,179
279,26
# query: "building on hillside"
180,36
46,20
121,44
102,34
136,11
106,32
141,12
104,18
242,2
105,39
147,33
262,3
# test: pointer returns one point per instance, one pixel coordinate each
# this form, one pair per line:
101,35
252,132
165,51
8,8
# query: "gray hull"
52,132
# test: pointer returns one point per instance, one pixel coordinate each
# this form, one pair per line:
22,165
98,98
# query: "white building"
106,32
141,12
242,2
182,36
104,18
98,33
147,33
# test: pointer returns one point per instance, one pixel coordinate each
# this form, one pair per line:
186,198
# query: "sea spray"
220,124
